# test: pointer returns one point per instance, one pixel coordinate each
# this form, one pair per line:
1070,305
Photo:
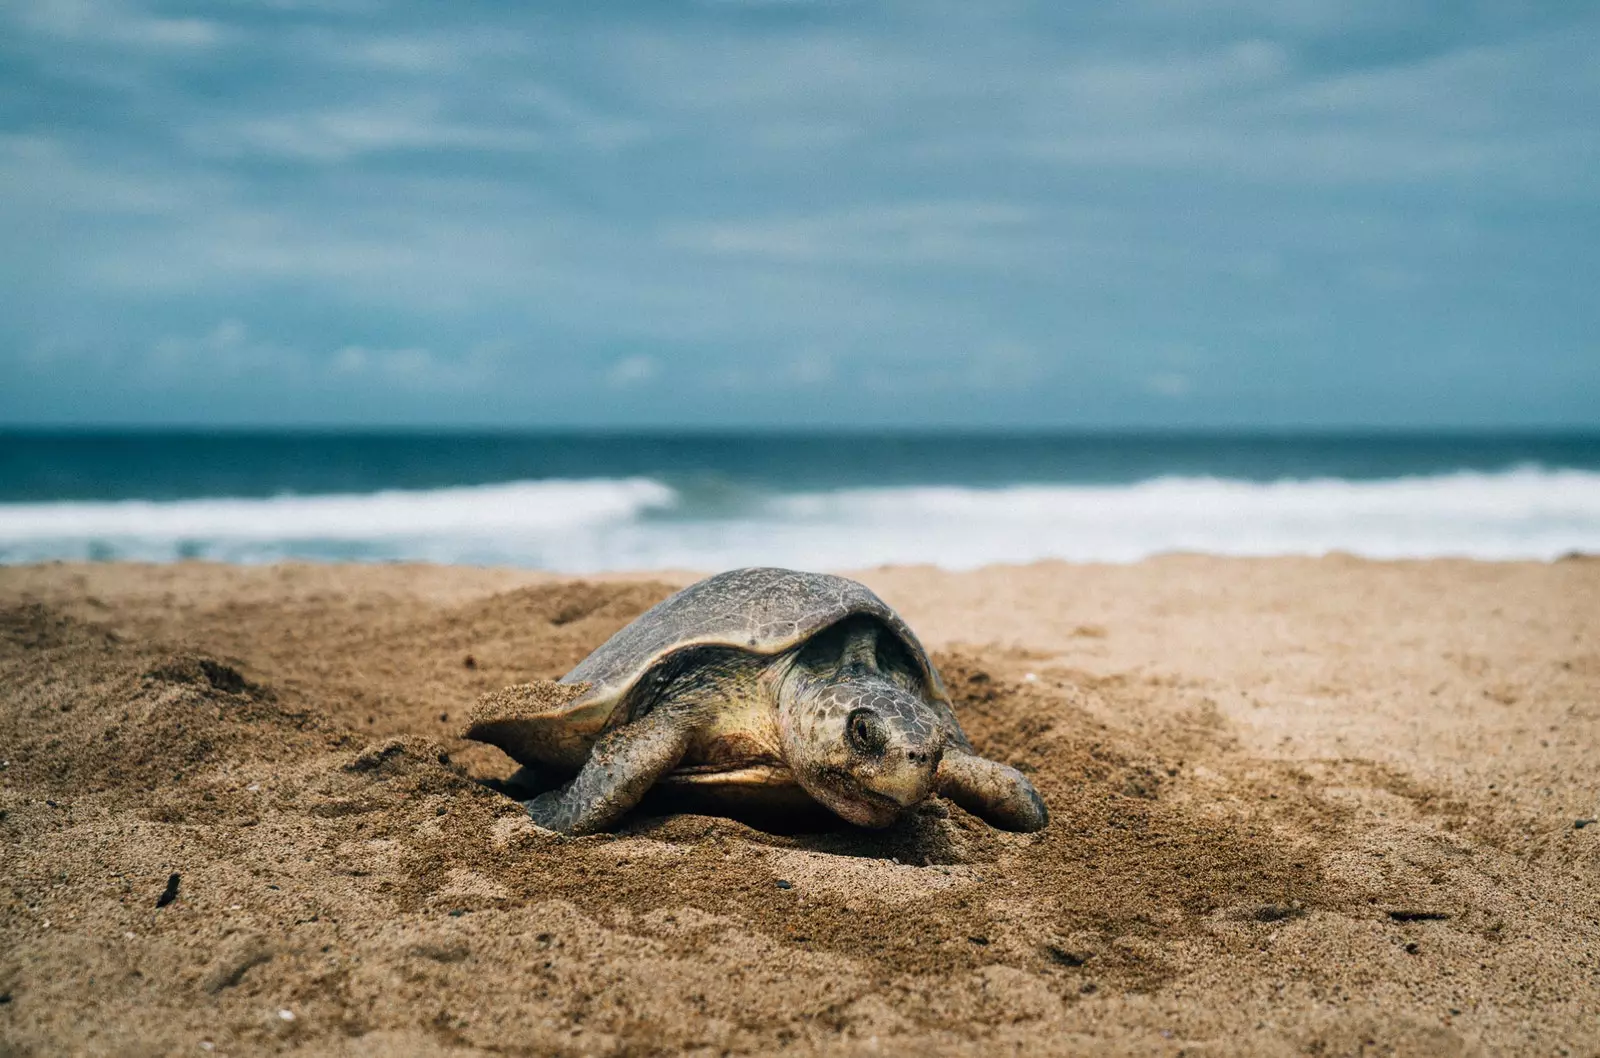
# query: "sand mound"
350,881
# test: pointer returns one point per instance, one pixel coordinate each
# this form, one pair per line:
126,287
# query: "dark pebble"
1411,947
1276,912
469,662
170,893
979,940
783,884
1065,957
444,718
458,912
1579,824
441,810
1418,916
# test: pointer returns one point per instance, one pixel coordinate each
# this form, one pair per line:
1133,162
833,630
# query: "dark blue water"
584,502
41,467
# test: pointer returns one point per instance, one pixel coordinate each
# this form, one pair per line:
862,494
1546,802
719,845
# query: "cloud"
43,176
343,134
631,371
105,22
1170,84
911,233
401,54
232,350
409,367
227,350
811,369
1168,384
1474,113
1014,212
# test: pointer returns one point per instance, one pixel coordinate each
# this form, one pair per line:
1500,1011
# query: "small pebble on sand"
286,1015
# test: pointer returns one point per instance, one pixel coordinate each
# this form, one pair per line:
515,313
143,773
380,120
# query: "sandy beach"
1299,806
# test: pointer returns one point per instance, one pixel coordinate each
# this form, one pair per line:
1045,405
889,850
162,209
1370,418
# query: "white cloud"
40,175
410,367
109,22
232,350
631,371
411,55
1168,84
905,233
811,369
1481,113
227,351
1168,384
342,134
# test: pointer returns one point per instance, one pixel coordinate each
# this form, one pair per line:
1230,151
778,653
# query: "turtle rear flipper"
539,724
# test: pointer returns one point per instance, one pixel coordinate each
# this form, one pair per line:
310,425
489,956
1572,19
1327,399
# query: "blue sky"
1150,213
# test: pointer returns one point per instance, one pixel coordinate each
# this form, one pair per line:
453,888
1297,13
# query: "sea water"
582,502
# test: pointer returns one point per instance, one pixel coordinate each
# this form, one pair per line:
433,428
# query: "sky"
1274,213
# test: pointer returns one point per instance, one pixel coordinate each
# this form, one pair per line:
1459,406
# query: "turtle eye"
866,732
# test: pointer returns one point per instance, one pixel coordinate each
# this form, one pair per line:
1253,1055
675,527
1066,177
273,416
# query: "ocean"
591,502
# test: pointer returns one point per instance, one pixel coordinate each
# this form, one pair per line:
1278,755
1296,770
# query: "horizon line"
797,432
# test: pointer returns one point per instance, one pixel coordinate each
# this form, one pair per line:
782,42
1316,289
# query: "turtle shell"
759,610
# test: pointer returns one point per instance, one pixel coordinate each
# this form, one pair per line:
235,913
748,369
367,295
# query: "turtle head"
856,731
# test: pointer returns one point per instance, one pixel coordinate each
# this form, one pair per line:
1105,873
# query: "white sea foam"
450,524
643,524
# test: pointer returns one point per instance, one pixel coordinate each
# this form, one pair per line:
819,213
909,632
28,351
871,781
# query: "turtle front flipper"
624,764
998,793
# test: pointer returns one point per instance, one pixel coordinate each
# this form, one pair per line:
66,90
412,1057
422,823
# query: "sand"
1326,807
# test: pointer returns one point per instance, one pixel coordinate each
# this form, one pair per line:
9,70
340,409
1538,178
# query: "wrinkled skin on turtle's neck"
854,731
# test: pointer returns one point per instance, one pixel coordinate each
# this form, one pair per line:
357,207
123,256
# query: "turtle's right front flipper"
997,792
624,764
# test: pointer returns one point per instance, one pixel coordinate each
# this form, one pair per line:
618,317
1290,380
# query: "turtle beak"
913,781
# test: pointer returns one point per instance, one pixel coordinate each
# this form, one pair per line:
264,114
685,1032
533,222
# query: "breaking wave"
639,523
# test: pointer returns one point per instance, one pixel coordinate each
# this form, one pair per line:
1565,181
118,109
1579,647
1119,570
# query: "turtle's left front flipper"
623,765
996,792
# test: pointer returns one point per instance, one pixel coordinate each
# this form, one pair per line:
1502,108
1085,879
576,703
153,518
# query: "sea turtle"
767,686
